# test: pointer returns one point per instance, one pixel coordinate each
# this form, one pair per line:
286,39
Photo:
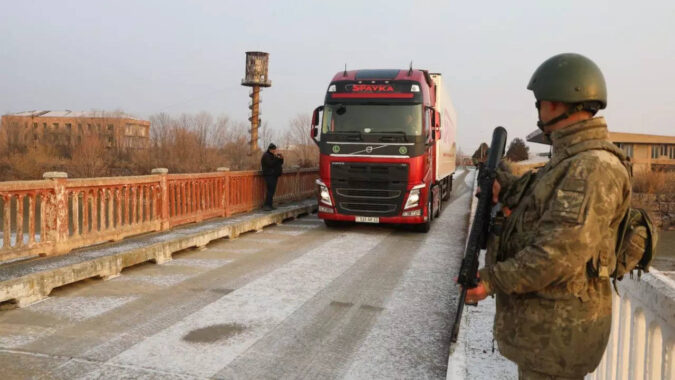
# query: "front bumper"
383,219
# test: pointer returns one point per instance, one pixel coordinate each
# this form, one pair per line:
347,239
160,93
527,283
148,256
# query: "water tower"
256,77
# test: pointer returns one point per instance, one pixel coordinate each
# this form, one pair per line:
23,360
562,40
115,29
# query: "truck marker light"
417,212
413,197
324,194
327,210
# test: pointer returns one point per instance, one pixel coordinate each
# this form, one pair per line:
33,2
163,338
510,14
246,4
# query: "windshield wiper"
405,136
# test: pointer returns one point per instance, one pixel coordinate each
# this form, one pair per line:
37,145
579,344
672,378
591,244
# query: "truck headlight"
324,194
413,197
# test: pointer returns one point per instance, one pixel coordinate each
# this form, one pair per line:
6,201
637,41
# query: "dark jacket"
271,164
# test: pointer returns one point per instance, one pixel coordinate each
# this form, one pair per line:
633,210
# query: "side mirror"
315,116
315,123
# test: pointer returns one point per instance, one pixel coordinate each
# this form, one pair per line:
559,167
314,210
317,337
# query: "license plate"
367,219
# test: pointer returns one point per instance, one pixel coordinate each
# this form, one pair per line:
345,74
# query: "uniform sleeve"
578,216
505,177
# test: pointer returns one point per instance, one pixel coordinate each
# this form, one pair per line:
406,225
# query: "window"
110,127
671,152
35,125
69,126
55,125
627,148
655,151
664,150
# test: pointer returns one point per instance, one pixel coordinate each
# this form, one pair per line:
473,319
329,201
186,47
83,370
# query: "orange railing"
57,215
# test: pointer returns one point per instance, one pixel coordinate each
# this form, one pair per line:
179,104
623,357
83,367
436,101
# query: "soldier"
480,155
556,249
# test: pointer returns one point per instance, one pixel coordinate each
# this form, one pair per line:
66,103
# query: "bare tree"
267,136
87,158
299,140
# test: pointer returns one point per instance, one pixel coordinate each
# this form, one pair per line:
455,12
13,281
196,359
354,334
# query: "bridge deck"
295,301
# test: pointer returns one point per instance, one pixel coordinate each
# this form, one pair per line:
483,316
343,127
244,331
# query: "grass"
654,182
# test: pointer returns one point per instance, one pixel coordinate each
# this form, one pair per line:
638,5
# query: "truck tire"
448,188
426,226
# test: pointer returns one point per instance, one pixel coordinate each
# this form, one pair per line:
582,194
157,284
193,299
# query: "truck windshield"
371,118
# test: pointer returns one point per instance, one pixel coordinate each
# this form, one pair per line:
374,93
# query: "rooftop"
616,137
69,113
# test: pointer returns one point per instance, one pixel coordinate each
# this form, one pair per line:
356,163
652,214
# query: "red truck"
387,147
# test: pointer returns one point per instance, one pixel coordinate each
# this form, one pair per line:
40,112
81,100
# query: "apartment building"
66,129
647,152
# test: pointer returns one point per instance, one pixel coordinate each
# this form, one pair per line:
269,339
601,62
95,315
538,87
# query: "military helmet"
570,78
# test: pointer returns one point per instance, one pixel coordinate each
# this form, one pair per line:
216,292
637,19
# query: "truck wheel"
448,188
440,207
426,226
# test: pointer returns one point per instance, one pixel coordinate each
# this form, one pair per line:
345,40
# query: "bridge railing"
56,215
642,341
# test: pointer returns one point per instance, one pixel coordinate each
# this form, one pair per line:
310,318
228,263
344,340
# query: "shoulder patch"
569,200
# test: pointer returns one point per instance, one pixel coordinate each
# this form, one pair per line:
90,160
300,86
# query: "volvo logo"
369,149
336,148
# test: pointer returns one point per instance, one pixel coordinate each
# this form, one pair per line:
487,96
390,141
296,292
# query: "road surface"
297,300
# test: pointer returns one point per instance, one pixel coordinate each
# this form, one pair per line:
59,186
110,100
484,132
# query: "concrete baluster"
57,212
164,196
224,190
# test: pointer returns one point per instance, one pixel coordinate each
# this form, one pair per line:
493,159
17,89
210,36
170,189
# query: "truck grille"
361,208
369,193
369,189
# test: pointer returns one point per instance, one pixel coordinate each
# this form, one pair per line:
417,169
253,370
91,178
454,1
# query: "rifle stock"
468,273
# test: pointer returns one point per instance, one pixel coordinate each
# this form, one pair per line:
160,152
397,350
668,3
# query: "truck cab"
379,135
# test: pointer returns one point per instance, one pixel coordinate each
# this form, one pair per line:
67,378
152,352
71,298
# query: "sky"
146,57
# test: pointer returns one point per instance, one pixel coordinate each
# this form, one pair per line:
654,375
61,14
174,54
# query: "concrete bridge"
244,294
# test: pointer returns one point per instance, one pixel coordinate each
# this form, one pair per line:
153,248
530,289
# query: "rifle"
468,273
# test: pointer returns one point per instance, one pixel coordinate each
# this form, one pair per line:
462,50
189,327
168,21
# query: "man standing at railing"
271,162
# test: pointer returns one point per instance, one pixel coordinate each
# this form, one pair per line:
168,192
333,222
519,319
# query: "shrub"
654,182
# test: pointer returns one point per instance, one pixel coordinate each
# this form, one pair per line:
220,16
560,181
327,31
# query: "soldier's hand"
475,294
496,188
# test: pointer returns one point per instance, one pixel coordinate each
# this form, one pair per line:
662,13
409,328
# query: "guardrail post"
57,212
224,201
164,201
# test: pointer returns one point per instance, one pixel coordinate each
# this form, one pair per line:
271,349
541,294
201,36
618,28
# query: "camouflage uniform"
552,317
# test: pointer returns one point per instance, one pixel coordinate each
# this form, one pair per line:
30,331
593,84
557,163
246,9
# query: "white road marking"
254,309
